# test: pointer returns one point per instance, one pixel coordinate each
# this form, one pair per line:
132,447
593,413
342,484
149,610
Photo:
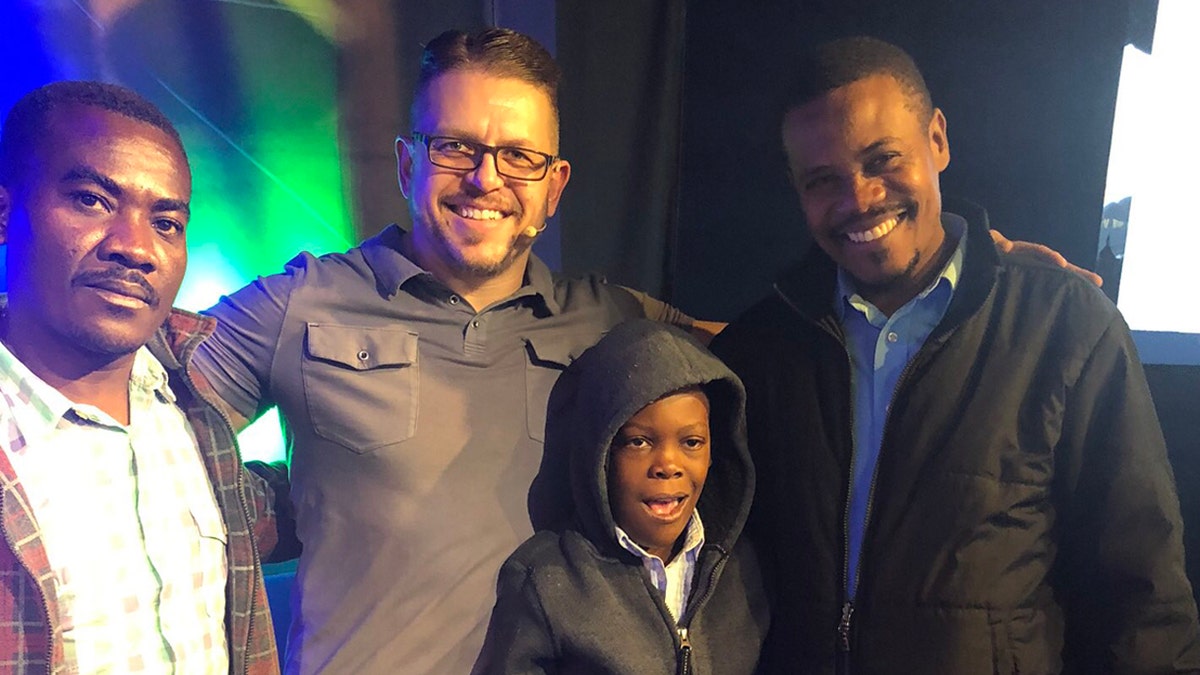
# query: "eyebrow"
88,174
874,147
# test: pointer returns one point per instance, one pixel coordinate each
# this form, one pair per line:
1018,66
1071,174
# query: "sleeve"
656,310
269,494
1129,605
237,358
519,640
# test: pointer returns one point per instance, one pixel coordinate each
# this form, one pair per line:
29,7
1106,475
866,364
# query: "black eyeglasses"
512,162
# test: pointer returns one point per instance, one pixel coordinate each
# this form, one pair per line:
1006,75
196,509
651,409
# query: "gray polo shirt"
415,427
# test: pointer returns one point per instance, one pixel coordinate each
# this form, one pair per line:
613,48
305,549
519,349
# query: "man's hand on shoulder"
1043,253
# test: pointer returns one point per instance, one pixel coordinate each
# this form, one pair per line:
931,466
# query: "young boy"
639,583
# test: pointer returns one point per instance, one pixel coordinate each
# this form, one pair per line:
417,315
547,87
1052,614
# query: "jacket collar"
179,336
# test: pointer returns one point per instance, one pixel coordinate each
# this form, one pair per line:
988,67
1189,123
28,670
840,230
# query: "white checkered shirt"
673,580
128,520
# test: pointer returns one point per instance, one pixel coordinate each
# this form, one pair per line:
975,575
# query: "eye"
695,443
168,226
633,443
882,162
454,146
519,157
90,201
820,182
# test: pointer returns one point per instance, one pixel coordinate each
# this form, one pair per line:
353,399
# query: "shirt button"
363,355
454,299
475,323
892,337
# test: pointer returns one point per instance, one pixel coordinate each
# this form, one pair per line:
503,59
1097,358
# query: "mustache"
104,276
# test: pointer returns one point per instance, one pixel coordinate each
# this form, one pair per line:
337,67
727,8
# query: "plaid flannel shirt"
29,643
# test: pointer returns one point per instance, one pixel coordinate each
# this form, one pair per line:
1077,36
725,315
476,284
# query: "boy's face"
657,467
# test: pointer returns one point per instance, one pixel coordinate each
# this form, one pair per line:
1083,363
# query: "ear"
5,211
404,164
938,142
560,173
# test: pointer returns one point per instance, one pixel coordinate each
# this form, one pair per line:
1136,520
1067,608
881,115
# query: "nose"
863,192
485,177
666,463
129,242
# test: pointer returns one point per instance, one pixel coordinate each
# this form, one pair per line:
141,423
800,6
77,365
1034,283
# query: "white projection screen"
1148,241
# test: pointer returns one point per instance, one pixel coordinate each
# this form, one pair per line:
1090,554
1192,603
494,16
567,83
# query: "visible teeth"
478,214
875,232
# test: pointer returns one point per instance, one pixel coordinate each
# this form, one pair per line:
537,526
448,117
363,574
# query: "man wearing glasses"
413,371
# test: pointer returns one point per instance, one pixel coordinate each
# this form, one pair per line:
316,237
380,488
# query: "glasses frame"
482,151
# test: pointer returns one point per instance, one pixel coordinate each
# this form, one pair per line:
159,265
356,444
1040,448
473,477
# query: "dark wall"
1028,89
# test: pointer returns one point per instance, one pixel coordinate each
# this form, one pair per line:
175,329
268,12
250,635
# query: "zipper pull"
685,652
844,626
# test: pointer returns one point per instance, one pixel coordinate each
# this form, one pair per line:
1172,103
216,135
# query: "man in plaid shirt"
125,510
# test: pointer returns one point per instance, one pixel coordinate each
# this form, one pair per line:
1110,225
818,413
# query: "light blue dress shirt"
880,349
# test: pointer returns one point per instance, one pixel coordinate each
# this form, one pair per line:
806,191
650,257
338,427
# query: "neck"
479,290
87,378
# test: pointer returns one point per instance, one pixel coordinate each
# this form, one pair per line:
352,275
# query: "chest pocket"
547,358
360,384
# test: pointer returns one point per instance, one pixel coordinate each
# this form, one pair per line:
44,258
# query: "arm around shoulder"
657,310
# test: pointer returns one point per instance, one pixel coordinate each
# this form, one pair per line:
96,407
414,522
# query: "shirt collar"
955,226
692,541
37,407
394,269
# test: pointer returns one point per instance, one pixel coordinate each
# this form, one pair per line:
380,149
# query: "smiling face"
657,467
866,166
95,228
477,225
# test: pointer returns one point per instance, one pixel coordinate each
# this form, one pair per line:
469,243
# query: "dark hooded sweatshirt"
574,601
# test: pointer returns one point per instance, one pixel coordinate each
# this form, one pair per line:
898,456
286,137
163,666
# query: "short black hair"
25,124
837,63
500,52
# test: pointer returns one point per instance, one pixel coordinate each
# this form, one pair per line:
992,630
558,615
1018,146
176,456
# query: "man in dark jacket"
638,583
128,520
960,468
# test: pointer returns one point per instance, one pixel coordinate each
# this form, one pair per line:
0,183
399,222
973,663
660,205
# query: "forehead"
689,404
131,152
851,118
488,108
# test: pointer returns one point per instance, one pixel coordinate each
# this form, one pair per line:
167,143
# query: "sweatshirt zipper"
685,652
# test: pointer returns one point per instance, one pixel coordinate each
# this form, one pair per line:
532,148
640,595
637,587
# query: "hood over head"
635,364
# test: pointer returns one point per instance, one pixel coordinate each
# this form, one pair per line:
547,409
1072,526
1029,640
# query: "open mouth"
879,231
666,507
475,213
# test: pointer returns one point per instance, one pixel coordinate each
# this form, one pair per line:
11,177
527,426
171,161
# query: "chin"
112,340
